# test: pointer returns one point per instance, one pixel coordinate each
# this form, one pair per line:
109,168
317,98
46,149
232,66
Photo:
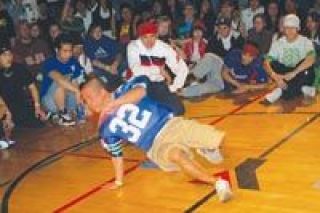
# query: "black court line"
41,163
48,162
4,183
246,170
201,202
289,136
211,194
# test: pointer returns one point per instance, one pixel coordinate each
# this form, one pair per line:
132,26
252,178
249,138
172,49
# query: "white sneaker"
3,145
66,120
11,142
223,189
308,91
212,155
274,95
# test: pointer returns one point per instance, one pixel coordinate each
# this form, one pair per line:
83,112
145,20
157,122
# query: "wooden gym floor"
271,154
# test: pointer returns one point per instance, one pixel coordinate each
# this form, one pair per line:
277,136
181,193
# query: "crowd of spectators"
186,48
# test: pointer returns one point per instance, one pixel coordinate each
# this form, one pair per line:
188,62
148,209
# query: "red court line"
92,191
237,109
85,195
87,155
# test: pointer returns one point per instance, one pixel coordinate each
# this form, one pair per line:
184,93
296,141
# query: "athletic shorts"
185,135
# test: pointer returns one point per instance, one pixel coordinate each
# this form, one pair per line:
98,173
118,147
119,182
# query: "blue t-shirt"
71,70
136,123
252,73
104,50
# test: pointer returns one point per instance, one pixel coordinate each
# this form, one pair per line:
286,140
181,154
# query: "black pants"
305,78
160,92
23,115
1,129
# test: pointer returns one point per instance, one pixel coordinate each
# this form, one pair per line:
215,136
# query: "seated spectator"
54,32
272,15
259,34
185,25
290,63
69,22
104,53
243,70
103,14
228,9
248,14
240,71
149,56
18,91
312,32
60,92
29,52
195,47
44,20
165,33
36,32
207,16
280,31
174,11
158,8
125,28
225,39
83,13
291,7
7,31
6,126
84,61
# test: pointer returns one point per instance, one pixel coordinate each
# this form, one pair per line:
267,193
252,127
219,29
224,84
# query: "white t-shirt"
291,53
195,54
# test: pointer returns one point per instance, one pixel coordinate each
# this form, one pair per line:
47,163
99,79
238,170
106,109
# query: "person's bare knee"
59,97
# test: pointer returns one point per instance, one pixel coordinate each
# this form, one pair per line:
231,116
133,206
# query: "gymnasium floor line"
290,135
239,108
97,188
83,196
80,155
246,175
53,159
14,183
282,141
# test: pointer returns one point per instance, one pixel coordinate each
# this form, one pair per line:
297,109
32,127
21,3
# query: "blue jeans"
49,102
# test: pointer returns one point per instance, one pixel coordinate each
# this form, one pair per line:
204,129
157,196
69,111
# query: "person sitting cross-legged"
290,64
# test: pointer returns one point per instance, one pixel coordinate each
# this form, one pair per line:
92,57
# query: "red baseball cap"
147,28
250,49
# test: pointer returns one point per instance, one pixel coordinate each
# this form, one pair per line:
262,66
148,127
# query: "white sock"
308,91
274,95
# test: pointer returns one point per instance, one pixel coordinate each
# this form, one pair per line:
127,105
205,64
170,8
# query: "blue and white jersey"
137,123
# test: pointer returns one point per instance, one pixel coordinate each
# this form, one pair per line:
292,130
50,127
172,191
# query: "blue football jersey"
137,123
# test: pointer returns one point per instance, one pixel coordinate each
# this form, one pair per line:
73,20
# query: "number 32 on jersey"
130,120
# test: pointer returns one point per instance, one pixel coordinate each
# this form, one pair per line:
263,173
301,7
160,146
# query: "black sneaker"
66,120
